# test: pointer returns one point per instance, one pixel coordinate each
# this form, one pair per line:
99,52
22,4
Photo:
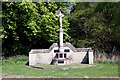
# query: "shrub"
109,62
16,59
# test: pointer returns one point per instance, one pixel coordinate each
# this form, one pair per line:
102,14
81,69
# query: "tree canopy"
96,25
27,25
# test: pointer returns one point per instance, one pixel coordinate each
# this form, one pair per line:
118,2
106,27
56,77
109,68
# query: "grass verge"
17,67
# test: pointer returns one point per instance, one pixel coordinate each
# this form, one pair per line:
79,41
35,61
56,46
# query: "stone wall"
44,56
82,57
40,58
91,57
32,59
78,57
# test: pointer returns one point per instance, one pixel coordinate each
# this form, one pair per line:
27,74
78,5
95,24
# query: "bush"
16,59
109,62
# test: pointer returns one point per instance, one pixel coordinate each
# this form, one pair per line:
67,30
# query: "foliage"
109,62
29,25
96,25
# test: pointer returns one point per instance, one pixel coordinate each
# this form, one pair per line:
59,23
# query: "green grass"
0,66
18,67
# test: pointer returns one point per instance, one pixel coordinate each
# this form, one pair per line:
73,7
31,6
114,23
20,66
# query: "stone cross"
60,14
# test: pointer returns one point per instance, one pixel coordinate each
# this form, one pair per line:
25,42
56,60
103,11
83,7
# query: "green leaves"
31,25
95,25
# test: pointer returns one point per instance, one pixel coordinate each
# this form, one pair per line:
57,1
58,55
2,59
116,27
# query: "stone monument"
62,54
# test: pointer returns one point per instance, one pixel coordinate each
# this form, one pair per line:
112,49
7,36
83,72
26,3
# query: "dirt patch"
60,67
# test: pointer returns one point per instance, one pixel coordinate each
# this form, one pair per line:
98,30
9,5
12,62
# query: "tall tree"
29,25
96,25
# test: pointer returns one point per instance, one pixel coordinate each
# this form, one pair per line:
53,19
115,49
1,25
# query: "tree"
28,25
109,12
95,25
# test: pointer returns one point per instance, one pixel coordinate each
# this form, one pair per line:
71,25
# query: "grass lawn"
97,70
0,66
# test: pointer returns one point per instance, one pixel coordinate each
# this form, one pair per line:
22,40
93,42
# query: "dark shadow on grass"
27,64
36,67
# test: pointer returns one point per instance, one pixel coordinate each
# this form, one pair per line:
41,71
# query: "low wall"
32,59
40,58
78,57
44,58
82,57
